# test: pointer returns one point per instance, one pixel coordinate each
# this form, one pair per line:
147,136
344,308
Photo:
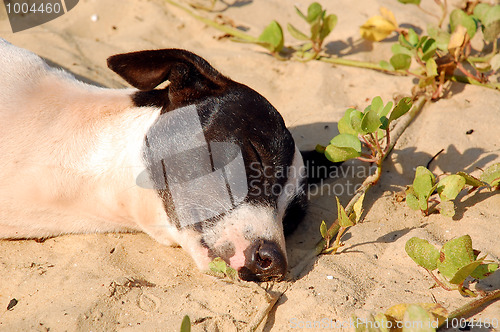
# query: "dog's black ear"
190,76
318,167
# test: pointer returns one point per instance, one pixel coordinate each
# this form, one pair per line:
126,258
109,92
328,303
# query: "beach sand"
121,282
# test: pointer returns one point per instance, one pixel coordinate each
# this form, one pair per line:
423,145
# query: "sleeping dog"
203,162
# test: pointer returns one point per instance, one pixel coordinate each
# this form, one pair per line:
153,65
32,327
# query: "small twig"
433,158
261,315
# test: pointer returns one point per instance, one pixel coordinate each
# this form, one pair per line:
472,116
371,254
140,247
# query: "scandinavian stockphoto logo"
26,14
204,180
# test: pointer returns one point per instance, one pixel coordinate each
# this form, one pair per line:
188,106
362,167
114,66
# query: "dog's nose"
264,261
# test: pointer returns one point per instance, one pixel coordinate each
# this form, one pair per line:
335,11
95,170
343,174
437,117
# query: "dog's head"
221,159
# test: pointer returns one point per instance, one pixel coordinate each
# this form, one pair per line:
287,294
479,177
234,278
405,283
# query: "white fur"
70,153
296,174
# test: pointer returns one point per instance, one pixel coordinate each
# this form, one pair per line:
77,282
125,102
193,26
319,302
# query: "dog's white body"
70,154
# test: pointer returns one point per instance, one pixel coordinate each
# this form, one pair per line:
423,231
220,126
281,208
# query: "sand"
111,282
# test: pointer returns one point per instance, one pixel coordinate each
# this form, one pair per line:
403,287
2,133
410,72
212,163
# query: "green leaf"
186,324
358,209
346,141
381,133
313,12
492,15
386,65
441,37
296,33
431,68
306,47
383,322
465,271
344,124
323,230
337,155
492,31
399,49
383,119
377,104
344,220
370,122
361,326
491,175
484,270
356,117
429,49
421,41
404,42
329,24
470,180
412,199
422,252
481,10
401,61
412,37
446,209
300,13
413,2
454,255
218,265
415,313
423,185
401,108
449,187
320,148
459,17
272,37
315,29
387,108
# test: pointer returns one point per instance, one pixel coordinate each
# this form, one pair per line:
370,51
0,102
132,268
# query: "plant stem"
439,281
388,140
224,28
474,305
444,8
368,144
377,143
359,64
467,80
428,12
461,67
